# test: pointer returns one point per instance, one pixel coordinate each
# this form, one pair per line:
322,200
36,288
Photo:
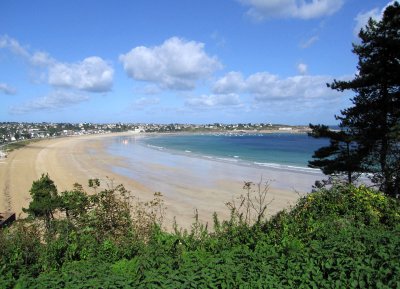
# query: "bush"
343,237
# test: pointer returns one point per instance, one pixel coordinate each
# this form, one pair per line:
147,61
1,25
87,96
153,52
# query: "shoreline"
292,167
295,168
76,159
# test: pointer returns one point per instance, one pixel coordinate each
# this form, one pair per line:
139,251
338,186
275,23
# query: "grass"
18,145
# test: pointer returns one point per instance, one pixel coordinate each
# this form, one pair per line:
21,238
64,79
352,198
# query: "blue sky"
199,61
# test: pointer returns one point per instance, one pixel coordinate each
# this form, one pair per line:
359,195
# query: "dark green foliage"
45,199
374,118
372,123
75,203
20,252
341,156
83,274
343,237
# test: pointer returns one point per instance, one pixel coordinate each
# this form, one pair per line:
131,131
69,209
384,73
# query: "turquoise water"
175,163
269,150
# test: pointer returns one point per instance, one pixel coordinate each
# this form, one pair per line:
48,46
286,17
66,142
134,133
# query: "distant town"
14,131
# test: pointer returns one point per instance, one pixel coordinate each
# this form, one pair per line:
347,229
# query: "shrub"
342,237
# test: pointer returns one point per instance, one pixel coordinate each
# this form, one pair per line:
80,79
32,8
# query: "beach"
187,183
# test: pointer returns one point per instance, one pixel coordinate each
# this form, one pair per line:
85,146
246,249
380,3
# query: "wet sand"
187,183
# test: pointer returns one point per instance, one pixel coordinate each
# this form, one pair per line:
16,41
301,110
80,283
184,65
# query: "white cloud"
262,9
176,64
53,101
267,87
212,101
91,74
363,17
232,81
146,101
296,88
42,59
302,68
309,42
219,40
149,90
6,89
13,45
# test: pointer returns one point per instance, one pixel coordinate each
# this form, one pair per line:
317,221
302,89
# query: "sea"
174,162
275,150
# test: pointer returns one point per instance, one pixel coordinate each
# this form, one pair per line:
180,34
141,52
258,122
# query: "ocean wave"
288,167
227,160
283,152
155,147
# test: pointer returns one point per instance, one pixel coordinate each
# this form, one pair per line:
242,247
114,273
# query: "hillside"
343,237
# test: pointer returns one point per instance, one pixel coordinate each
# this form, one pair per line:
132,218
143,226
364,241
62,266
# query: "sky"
178,61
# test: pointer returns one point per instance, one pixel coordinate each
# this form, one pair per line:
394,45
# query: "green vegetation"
17,145
370,132
342,237
339,157
44,199
338,237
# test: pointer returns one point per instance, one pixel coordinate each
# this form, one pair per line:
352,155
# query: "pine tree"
340,157
45,199
373,122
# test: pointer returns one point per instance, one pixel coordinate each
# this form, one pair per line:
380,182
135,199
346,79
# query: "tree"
75,203
340,157
373,122
45,199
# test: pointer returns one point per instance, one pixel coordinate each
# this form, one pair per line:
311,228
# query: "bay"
273,149
216,164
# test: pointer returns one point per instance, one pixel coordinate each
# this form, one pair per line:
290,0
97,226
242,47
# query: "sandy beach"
187,183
